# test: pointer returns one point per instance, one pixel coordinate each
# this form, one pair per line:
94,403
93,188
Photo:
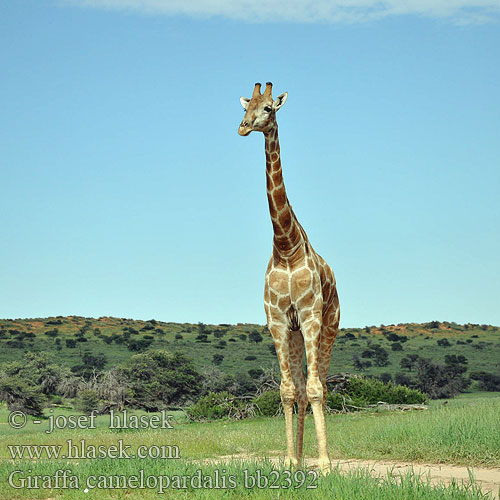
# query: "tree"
440,381
217,359
396,346
21,396
221,344
379,355
255,373
409,362
487,381
444,343
71,343
160,379
453,359
255,336
88,401
385,377
94,361
403,379
139,345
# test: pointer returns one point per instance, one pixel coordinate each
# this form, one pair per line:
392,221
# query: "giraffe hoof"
325,466
291,462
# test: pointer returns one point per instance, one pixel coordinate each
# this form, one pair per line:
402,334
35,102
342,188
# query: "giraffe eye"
267,109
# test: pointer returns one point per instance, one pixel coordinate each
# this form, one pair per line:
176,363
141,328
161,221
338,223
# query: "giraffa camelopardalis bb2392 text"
300,296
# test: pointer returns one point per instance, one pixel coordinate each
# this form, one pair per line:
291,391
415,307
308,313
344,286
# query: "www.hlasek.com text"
80,449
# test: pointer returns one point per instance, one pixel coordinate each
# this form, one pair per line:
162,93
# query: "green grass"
454,434
458,433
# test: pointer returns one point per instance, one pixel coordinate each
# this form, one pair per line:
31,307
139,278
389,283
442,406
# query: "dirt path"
487,478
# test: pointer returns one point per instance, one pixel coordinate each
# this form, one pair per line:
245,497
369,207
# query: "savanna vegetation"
220,382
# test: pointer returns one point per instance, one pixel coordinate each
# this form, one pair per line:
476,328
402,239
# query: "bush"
88,401
21,396
216,406
372,391
255,372
440,381
250,358
268,403
385,377
444,343
217,359
360,392
159,379
487,381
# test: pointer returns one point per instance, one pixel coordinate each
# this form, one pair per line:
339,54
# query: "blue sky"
126,190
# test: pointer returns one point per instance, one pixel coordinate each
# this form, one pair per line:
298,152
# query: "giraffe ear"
280,100
244,102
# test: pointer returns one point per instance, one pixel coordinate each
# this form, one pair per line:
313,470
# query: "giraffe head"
260,110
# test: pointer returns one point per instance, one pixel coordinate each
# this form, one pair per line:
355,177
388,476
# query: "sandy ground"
487,478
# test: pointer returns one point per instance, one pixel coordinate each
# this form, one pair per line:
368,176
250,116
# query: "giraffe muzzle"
244,128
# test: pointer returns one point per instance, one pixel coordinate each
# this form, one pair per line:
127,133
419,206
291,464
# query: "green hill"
244,347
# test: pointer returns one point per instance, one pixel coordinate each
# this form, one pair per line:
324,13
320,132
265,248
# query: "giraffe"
300,295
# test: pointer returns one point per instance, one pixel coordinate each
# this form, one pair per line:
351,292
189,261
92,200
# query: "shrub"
216,406
139,344
221,344
444,342
87,401
403,379
373,391
217,359
160,378
21,396
268,403
255,336
360,392
440,381
255,372
487,381
250,358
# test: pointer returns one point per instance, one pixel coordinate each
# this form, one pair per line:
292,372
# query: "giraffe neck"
287,233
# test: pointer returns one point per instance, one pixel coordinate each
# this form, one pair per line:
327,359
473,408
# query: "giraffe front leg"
314,388
280,333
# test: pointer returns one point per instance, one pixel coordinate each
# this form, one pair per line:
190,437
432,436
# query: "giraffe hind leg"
326,345
296,368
